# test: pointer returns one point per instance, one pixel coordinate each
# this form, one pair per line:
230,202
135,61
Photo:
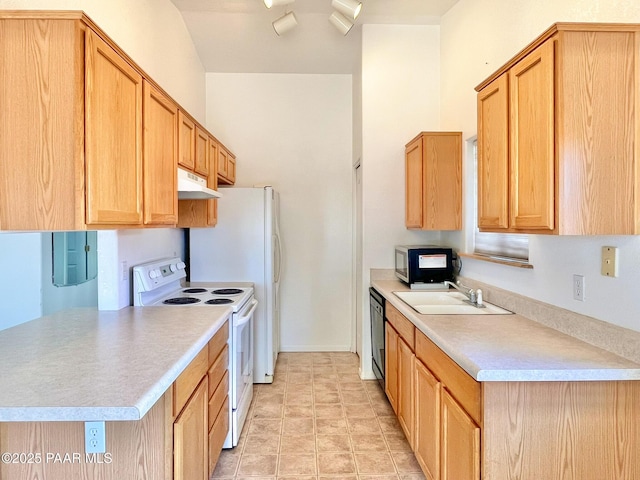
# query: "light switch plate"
609,262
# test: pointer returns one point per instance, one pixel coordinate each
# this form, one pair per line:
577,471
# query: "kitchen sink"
446,303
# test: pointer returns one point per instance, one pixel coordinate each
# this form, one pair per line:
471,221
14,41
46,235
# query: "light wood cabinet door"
212,180
460,442
427,421
113,136
231,169
493,155
532,157
391,365
202,152
160,159
413,184
223,162
187,141
190,438
433,181
406,368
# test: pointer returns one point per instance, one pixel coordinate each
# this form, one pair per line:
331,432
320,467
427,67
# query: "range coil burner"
181,301
227,291
194,290
219,301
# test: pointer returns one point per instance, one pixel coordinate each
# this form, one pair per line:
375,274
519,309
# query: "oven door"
242,354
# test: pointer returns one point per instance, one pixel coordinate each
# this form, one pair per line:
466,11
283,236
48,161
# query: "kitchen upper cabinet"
226,166
187,145
202,152
87,139
202,213
113,136
493,155
557,131
71,127
160,158
433,181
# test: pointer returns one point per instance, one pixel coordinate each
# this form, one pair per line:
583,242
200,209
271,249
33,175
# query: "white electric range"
161,283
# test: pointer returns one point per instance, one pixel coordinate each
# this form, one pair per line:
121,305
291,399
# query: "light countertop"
89,365
512,347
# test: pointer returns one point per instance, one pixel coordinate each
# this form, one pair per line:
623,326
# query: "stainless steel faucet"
474,296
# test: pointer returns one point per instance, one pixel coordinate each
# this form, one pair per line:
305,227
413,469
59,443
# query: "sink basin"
446,303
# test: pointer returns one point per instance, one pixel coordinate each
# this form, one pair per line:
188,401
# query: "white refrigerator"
245,247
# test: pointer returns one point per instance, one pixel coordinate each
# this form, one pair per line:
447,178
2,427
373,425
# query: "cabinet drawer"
458,382
218,342
218,369
403,326
188,380
217,399
217,435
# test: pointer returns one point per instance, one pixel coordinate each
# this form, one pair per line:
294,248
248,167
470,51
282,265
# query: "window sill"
511,262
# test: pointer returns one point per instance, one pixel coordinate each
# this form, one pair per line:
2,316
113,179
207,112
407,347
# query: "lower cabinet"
406,367
447,438
202,422
190,438
461,429
391,365
460,442
427,427
180,438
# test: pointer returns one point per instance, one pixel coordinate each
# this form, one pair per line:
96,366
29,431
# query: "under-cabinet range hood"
194,187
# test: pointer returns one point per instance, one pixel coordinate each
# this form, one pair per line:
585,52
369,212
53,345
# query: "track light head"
349,8
342,23
285,23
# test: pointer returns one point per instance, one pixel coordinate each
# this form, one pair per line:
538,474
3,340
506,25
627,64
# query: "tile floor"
318,420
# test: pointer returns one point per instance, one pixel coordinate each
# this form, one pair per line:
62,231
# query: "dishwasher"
376,303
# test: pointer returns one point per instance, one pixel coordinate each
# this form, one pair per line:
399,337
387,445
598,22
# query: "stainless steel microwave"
416,264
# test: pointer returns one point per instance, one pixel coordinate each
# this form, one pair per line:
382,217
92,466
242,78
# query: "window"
504,246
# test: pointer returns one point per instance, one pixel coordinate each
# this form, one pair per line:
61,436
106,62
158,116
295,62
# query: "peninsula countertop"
89,365
512,347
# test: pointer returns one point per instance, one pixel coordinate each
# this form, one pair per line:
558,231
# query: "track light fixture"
342,23
285,23
346,12
349,8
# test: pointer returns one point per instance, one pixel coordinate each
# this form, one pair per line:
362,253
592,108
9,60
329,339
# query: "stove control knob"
153,274
173,267
181,265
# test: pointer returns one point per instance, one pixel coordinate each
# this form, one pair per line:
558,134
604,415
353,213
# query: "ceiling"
236,36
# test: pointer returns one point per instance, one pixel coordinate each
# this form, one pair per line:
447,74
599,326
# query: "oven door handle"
245,318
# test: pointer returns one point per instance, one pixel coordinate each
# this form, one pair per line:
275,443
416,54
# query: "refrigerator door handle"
277,270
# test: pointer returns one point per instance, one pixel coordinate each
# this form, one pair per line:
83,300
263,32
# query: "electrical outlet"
578,288
124,273
94,437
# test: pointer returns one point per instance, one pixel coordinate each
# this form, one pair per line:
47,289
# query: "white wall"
400,98
20,260
294,132
478,36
